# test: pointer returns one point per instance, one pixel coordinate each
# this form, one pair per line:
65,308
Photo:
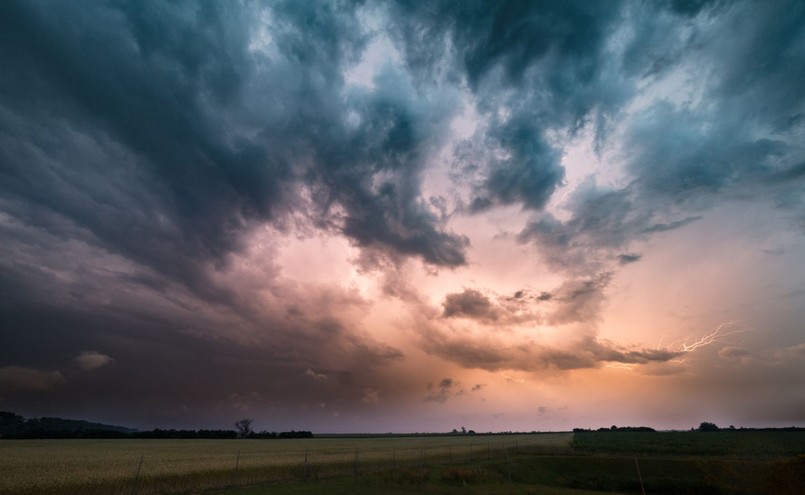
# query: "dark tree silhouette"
244,427
705,426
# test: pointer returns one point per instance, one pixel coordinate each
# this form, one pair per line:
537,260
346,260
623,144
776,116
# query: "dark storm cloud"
532,67
578,300
446,389
162,118
142,145
15,379
374,175
74,308
602,225
178,365
518,166
750,58
125,110
664,227
681,158
626,258
214,135
575,300
469,303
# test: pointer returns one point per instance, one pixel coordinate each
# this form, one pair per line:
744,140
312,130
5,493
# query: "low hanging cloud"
471,304
92,360
488,353
15,379
445,389
20,379
573,306
575,300
317,377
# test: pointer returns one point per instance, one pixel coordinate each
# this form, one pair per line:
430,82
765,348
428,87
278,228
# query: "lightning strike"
659,343
715,336
560,200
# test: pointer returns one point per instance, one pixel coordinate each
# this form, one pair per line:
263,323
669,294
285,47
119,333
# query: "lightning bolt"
559,200
684,346
716,336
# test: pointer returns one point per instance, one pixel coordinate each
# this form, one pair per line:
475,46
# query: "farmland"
588,462
179,466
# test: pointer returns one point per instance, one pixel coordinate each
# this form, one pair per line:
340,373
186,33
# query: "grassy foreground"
107,467
585,472
751,462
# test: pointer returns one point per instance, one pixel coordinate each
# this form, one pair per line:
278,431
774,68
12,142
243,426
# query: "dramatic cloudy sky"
403,216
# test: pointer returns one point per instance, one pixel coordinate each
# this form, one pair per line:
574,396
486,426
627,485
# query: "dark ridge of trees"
295,434
10,423
704,426
616,428
182,434
14,426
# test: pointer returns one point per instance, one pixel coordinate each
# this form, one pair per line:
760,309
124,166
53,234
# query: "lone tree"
244,427
706,426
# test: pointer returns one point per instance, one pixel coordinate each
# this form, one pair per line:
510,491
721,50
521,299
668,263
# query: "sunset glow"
403,216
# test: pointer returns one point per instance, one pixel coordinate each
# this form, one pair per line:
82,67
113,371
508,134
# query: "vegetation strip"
669,462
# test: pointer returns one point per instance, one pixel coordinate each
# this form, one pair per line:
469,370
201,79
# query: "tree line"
704,426
14,426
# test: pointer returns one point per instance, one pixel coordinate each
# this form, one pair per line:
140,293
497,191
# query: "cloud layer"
158,162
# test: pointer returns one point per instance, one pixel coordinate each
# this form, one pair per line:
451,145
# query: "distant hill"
15,426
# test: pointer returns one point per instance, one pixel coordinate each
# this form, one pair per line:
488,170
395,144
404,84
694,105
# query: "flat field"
107,467
735,443
726,462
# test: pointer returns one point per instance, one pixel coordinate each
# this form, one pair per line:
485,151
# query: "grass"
107,467
749,444
738,462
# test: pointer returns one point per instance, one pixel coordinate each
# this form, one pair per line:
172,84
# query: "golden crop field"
109,467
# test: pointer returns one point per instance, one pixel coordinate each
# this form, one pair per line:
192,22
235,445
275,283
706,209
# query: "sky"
375,216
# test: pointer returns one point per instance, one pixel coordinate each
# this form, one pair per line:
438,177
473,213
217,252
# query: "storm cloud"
494,354
304,205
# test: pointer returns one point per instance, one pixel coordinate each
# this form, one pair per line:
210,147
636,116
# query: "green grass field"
748,444
564,463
